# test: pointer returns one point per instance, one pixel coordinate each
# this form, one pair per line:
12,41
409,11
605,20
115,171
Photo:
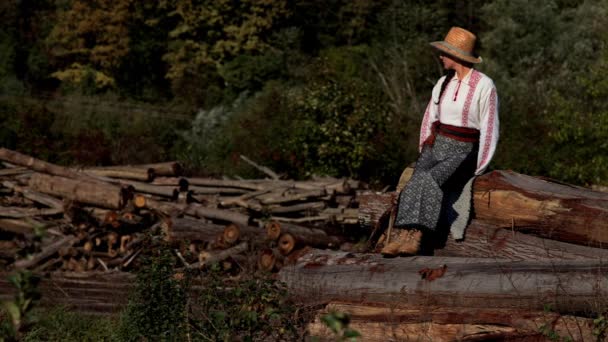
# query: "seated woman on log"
458,138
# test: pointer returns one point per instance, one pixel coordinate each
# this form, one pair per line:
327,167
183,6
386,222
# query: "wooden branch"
208,258
41,166
167,169
37,197
218,214
302,207
20,212
14,171
264,169
46,252
123,172
23,226
224,183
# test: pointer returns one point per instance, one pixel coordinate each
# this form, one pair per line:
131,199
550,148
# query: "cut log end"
267,260
231,234
286,243
273,230
139,201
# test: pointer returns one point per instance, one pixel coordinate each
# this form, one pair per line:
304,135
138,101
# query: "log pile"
54,218
533,244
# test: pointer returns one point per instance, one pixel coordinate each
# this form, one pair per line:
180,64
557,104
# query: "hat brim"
452,51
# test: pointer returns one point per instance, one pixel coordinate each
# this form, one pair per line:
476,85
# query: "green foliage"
157,307
338,323
252,309
89,41
59,324
600,327
547,59
333,126
18,312
553,335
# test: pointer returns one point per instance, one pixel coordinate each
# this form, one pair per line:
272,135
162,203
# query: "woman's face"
448,62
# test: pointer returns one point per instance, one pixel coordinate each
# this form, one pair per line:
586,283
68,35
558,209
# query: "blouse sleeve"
489,127
431,114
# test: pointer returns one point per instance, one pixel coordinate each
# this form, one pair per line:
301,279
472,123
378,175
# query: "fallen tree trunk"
522,203
483,240
378,322
567,286
41,166
93,193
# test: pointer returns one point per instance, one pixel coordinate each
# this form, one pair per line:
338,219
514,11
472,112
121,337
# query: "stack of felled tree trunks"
87,230
532,267
532,264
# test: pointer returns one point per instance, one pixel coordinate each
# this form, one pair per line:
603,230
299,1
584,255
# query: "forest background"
305,87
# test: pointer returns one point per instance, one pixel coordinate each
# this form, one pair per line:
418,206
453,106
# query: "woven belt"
454,132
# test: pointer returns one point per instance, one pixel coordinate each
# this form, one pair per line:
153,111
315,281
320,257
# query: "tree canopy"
307,86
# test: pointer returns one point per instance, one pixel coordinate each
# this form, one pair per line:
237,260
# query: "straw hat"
458,43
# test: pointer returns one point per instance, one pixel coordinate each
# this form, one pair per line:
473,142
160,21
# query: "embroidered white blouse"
471,102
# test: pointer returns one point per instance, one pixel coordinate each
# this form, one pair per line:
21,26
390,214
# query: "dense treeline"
306,87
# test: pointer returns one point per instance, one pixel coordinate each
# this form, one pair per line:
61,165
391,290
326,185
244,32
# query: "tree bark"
46,252
165,169
181,229
379,322
22,227
41,166
123,172
567,286
522,203
303,235
484,240
207,258
97,194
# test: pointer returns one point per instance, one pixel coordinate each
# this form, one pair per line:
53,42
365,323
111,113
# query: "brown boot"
411,245
403,241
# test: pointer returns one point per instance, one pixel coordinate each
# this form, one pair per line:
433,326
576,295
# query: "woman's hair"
446,81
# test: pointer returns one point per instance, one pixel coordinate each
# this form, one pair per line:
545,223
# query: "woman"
458,138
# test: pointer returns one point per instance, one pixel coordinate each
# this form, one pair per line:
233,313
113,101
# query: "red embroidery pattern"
473,81
489,129
425,123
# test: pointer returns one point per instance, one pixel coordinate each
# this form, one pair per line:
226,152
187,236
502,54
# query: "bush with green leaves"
16,315
157,307
249,309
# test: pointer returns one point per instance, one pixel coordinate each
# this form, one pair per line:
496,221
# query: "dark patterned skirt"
441,172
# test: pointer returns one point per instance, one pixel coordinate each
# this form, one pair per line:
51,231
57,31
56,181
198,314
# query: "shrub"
157,307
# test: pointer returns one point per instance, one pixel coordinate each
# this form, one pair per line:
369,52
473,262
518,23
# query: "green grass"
59,324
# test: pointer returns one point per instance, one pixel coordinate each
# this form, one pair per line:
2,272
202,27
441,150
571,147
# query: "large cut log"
378,322
523,203
484,240
567,286
93,193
